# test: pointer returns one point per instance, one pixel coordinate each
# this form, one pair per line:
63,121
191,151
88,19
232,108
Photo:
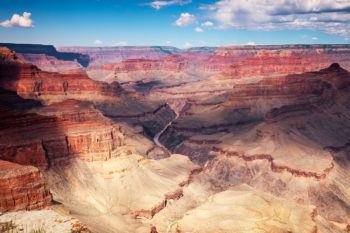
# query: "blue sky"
180,23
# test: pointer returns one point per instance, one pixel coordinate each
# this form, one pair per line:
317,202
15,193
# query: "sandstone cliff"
22,188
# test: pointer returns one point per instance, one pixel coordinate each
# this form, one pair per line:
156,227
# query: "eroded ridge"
276,167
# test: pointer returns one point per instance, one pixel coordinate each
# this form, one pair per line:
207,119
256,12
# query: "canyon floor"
241,139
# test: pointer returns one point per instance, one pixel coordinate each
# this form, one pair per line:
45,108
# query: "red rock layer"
238,62
22,188
104,55
57,133
173,63
51,64
30,82
290,59
282,97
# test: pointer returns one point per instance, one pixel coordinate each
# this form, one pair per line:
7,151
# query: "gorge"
160,139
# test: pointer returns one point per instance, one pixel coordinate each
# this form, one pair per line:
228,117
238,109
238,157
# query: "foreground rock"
22,188
131,186
44,221
241,209
153,182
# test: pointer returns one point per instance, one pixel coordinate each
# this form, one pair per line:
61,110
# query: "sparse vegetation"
7,227
38,230
78,228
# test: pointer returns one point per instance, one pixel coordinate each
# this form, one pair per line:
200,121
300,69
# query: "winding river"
177,107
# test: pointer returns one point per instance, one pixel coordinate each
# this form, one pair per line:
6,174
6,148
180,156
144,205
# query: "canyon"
159,139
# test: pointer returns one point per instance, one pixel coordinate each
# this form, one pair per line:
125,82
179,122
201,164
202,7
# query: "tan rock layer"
175,195
276,167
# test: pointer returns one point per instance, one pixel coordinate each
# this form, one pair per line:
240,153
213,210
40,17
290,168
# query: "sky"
179,23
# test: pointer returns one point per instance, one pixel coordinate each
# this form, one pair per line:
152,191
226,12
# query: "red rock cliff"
22,188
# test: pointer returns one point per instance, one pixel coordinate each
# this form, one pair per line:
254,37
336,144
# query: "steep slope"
71,142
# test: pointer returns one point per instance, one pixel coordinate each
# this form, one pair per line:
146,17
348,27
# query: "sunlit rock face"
22,188
262,212
31,82
156,139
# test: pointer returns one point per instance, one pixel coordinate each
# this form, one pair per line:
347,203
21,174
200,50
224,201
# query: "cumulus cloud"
121,43
314,38
187,45
207,24
198,29
251,43
18,21
98,42
201,43
330,16
159,4
185,19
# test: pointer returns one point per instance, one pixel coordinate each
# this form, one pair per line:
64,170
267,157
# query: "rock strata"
22,188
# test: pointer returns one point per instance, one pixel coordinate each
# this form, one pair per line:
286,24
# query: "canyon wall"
22,188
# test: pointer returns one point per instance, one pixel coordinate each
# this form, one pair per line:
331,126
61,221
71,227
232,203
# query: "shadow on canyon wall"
49,50
22,130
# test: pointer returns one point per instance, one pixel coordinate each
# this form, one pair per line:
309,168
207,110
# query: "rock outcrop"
30,82
241,209
22,188
56,133
49,51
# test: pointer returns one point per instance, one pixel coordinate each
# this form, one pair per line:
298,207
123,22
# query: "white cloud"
19,21
251,43
187,45
330,16
198,29
314,38
185,19
201,43
207,24
121,43
168,42
159,4
98,42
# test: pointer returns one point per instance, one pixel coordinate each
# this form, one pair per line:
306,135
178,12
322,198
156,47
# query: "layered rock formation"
269,134
52,64
22,188
262,213
48,50
30,82
263,132
127,185
47,220
101,55
216,71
